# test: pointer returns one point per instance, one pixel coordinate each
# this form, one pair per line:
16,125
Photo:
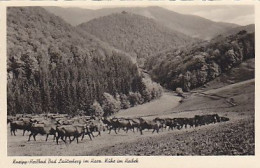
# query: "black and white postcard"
101,84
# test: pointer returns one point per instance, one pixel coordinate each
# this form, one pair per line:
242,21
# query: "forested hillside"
54,67
135,34
248,28
192,66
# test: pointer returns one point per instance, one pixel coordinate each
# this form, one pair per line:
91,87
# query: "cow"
190,122
135,123
70,130
170,123
10,119
110,124
125,124
180,122
161,121
24,125
223,119
38,120
145,124
64,121
43,129
94,126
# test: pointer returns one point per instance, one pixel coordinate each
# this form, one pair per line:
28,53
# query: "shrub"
125,104
135,98
109,104
96,109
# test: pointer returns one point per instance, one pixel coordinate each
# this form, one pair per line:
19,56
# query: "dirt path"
164,105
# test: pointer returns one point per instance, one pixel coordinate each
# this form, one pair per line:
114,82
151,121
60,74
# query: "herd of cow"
63,126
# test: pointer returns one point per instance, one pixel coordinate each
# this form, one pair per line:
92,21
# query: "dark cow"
65,131
169,122
145,124
11,118
190,122
125,124
111,124
180,122
20,124
43,129
95,126
223,119
161,121
135,123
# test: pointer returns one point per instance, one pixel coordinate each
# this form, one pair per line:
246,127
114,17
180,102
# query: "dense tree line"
54,67
194,65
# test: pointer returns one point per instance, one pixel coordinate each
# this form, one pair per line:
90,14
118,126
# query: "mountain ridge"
191,25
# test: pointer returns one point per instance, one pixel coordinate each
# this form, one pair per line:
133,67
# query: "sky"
242,15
